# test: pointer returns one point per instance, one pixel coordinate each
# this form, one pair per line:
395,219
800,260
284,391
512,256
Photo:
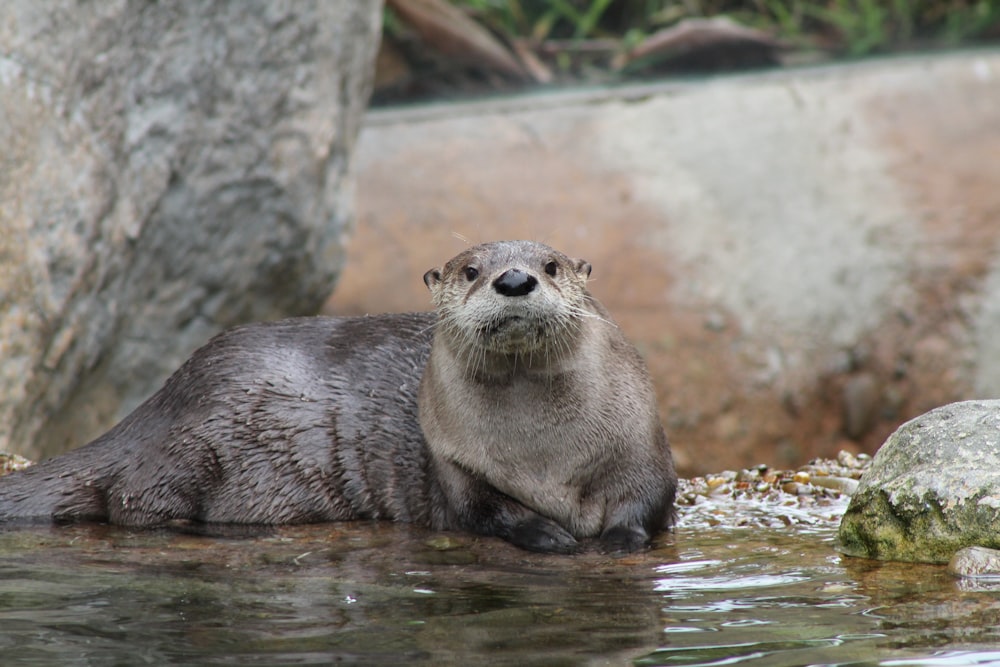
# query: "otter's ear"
432,278
582,267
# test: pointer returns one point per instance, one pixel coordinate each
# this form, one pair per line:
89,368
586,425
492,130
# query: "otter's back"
306,419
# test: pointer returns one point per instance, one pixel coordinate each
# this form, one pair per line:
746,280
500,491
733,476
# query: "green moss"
915,529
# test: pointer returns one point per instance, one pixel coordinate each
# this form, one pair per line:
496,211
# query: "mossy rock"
932,489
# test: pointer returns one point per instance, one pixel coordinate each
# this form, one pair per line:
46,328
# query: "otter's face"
511,297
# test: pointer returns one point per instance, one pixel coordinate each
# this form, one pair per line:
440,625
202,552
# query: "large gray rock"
932,489
168,169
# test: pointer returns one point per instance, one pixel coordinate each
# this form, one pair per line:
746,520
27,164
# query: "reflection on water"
386,594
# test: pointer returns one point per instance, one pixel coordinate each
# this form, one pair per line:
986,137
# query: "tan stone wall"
803,257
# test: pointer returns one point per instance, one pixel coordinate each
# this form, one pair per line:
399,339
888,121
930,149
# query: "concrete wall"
806,258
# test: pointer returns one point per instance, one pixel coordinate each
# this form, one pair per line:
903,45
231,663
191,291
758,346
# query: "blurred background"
448,49
793,208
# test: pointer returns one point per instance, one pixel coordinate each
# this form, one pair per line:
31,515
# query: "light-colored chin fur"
490,333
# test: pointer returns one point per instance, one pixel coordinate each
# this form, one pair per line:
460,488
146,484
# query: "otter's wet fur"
540,422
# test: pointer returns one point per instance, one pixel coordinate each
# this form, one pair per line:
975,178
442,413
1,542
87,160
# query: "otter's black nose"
514,282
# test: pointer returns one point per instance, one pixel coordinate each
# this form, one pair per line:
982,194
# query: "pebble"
845,485
975,562
12,462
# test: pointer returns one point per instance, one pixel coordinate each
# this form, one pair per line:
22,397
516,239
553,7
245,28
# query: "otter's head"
511,298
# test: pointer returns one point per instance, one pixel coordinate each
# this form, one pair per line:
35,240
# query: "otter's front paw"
540,534
624,539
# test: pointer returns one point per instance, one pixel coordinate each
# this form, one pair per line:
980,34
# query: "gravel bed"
815,494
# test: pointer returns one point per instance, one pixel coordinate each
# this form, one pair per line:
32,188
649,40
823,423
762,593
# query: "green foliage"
851,27
539,19
864,24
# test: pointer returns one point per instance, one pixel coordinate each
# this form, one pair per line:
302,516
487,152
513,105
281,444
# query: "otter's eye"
471,273
551,269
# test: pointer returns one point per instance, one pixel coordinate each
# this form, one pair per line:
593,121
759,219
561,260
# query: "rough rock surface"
168,169
932,489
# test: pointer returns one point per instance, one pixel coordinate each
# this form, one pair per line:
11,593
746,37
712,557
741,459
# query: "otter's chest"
527,421
538,442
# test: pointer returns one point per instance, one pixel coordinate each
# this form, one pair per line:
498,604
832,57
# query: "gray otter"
539,417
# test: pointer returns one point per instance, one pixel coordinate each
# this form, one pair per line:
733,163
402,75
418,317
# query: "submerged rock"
975,562
932,489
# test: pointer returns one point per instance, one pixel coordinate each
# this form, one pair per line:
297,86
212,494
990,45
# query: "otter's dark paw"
624,539
540,534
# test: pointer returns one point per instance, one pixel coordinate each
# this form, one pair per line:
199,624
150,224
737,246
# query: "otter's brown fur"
541,426
533,397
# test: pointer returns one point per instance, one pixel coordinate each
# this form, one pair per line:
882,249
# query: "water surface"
369,593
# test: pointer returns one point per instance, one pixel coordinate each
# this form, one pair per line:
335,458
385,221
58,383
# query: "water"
387,594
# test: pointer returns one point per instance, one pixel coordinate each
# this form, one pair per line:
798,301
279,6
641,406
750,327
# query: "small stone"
720,490
845,485
846,459
12,462
714,482
975,562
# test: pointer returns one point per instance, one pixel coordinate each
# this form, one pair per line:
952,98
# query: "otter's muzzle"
515,282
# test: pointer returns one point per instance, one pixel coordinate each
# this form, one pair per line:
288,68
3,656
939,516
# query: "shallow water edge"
377,593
